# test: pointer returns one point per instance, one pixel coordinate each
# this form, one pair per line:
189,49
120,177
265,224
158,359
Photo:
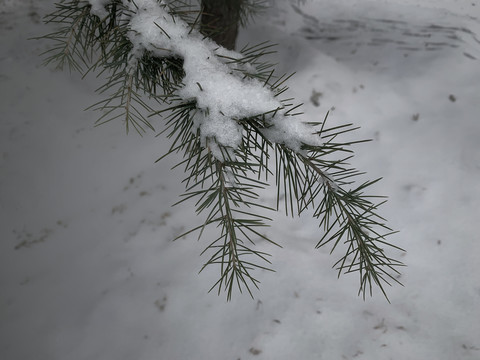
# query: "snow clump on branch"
221,94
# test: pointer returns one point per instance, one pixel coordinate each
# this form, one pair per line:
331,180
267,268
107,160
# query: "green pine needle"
225,188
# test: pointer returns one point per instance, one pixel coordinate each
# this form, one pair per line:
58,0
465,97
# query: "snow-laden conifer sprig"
224,111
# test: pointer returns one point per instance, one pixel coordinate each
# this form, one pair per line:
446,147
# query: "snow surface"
87,266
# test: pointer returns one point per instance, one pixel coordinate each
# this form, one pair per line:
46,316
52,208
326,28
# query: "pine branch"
250,9
224,190
231,144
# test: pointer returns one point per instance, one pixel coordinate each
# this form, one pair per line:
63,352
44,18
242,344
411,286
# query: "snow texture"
223,96
87,266
98,7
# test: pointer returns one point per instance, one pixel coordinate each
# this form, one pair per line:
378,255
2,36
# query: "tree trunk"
220,21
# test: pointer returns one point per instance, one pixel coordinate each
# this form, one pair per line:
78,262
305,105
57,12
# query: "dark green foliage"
224,182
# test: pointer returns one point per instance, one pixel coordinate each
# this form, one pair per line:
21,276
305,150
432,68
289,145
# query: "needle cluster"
226,113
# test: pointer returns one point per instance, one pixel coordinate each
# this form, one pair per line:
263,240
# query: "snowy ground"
87,266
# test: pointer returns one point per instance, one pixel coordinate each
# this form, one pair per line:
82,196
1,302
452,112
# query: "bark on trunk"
220,21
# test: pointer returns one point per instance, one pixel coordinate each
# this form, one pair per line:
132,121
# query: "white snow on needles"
214,86
87,266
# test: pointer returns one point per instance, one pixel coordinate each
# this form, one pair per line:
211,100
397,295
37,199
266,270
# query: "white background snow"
87,266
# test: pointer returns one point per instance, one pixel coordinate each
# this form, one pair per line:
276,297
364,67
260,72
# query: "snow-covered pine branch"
224,111
213,78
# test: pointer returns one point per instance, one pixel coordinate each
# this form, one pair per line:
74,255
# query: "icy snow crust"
87,266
